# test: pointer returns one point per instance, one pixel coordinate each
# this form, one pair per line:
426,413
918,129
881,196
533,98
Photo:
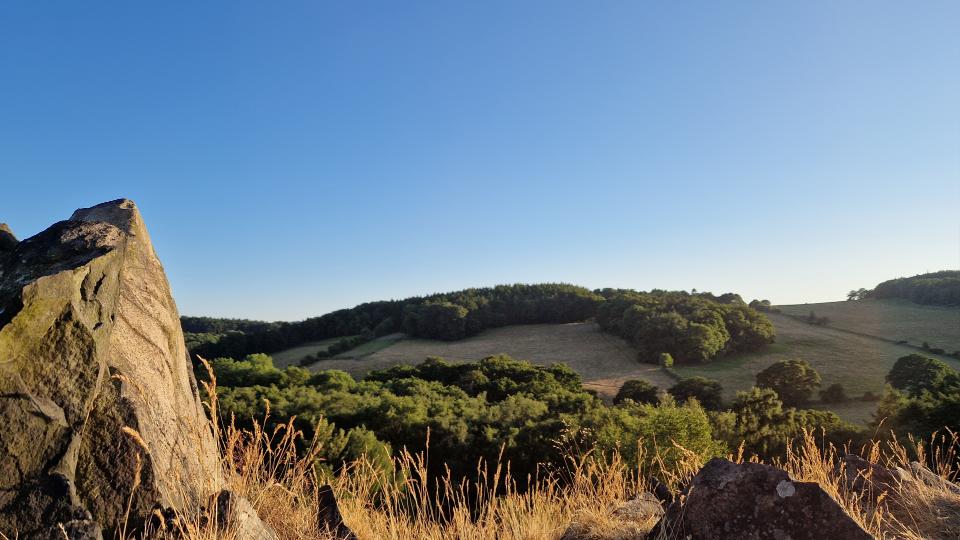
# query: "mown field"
891,319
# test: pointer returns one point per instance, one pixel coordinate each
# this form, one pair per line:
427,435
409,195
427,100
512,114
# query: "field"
857,350
604,361
292,357
892,319
858,362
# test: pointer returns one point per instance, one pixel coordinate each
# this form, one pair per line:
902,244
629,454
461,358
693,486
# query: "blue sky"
291,158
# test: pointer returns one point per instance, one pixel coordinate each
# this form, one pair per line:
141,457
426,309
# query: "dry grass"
282,483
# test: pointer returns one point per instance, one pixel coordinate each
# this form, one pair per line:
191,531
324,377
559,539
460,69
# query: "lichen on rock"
90,343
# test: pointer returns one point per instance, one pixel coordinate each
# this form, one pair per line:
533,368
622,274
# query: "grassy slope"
604,361
891,319
858,362
292,357
843,352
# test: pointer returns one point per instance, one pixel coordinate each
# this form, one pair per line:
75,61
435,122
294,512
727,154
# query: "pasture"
293,356
604,361
891,319
858,362
841,355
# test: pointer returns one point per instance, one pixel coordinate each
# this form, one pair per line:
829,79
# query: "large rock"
236,518
751,501
7,240
97,396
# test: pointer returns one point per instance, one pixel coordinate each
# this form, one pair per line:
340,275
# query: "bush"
639,391
833,394
666,360
707,391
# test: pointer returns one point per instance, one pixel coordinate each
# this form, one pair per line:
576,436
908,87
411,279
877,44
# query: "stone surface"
918,473
7,240
751,501
90,343
329,518
237,519
863,476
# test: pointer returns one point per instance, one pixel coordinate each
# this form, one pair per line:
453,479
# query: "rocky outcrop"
751,501
97,398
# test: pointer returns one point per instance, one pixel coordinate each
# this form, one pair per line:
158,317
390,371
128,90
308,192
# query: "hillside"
857,349
859,362
604,361
890,319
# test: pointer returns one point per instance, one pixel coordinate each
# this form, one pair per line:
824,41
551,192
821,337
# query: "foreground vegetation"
276,469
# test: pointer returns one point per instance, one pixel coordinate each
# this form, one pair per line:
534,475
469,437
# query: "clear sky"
291,158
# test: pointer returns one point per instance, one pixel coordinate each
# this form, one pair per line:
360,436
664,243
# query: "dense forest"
528,413
691,327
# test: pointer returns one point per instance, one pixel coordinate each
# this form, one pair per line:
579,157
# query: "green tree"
707,391
916,373
639,391
761,423
793,380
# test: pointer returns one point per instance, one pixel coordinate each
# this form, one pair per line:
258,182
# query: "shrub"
666,360
639,391
707,391
833,394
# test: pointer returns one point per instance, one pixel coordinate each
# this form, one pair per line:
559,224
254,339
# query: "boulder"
752,501
916,472
236,518
329,519
862,476
97,395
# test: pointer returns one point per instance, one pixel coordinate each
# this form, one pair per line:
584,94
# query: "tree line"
936,288
692,327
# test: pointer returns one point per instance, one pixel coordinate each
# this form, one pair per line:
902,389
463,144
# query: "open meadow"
858,362
892,319
604,361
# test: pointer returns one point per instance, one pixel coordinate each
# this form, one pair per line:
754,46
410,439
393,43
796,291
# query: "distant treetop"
936,288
